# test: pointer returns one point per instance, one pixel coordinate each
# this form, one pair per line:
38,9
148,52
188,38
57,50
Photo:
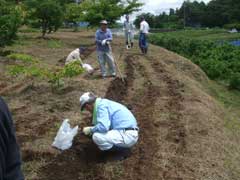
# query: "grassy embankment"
220,62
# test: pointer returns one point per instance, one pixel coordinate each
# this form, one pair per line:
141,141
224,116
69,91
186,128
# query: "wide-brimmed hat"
104,22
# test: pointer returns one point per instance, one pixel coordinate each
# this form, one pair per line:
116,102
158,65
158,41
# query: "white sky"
159,6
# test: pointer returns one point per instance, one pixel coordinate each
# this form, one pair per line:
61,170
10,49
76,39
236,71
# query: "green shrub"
232,26
54,77
219,61
16,70
29,71
235,81
22,57
45,14
72,69
10,20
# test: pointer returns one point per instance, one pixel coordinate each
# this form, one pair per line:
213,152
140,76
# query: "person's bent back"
10,161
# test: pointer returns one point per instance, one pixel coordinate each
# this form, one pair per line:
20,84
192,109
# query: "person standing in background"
144,30
104,51
128,30
10,160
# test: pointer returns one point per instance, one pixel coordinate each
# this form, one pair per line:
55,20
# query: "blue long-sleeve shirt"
100,36
112,115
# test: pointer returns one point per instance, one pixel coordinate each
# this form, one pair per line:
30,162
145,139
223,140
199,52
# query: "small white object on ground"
65,136
88,68
233,31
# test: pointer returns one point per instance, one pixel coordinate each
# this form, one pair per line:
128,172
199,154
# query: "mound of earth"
181,126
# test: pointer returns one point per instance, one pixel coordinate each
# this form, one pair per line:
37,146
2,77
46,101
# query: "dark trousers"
143,44
10,160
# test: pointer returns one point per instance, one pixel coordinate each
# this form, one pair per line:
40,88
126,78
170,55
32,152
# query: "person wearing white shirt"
128,29
144,30
76,54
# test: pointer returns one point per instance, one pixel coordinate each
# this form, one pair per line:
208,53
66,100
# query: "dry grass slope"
183,135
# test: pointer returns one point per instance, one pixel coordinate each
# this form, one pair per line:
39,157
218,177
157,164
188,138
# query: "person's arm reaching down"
103,121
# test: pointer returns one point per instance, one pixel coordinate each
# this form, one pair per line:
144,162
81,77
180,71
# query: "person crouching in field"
114,127
76,55
104,52
144,30
10,160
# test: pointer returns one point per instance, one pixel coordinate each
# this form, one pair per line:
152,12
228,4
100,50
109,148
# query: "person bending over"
114,126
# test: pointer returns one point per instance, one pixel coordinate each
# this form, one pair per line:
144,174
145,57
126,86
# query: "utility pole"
184,13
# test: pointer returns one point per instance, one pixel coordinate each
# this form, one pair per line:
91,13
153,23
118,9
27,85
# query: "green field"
207,34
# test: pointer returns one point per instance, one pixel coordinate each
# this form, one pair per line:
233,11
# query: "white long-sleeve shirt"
144,27
128,26
74,56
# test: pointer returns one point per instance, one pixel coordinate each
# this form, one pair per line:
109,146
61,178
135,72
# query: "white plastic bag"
65,136
88,68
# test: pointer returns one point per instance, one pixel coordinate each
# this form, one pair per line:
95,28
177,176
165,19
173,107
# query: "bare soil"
182,134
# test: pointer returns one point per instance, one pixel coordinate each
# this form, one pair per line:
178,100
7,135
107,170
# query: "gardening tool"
129,39
115,61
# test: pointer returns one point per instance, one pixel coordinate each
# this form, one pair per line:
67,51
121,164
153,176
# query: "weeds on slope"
31,67
219,61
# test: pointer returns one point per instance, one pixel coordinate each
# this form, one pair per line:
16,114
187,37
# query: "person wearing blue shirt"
103,38
115,127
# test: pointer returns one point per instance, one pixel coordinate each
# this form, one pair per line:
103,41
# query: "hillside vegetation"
218,58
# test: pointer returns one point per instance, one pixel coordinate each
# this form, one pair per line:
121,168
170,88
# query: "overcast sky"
157,6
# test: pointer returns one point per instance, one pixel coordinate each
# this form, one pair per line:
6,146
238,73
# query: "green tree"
96,10
73,13
47,13
10,20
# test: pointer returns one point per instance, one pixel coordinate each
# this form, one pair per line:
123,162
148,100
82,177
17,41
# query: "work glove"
104,42
87,131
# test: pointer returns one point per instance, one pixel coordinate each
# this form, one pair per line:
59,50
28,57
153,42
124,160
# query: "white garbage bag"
88,68
65,136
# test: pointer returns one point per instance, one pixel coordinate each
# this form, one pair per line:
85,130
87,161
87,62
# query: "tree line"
49,15
216,13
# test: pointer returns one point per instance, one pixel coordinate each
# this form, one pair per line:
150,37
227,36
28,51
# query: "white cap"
86,98
103,22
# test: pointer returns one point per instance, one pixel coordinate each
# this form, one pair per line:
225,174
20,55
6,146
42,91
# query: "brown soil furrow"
142,102
176,131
